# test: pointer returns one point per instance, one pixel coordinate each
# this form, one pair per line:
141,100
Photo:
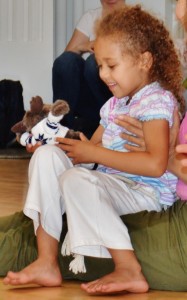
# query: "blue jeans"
77,81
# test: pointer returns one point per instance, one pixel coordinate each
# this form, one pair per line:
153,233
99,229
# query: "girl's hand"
133,126
79,151
30,148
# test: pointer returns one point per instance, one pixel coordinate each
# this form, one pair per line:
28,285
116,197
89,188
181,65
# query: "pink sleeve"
183,131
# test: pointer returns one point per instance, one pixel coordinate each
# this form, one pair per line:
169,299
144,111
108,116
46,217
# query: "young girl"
138,62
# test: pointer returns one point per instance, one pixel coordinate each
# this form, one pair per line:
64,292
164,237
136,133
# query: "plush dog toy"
42,123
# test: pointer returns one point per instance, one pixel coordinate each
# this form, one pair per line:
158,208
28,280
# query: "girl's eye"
112,66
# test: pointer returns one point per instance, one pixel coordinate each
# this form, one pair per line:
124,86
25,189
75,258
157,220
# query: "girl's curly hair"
137,31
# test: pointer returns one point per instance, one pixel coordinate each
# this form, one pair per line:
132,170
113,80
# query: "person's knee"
66,61
72,179
91,69
45,153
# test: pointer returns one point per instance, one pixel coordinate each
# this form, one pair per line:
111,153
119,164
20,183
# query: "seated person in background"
76,78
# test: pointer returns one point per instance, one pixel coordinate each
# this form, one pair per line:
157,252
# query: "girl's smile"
111,86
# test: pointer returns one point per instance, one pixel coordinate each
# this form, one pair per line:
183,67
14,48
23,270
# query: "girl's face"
123,74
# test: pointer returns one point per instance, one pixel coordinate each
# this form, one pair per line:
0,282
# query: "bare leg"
45,270
127,276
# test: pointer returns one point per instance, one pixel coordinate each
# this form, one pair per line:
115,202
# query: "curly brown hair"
137,31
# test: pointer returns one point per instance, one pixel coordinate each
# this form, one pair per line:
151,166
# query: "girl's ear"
146,60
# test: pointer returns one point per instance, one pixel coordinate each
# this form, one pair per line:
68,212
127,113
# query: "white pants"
93,202
44,203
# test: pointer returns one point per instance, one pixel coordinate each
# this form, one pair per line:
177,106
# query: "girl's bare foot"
121,280
41,272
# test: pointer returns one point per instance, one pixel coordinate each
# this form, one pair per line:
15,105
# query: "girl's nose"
103,73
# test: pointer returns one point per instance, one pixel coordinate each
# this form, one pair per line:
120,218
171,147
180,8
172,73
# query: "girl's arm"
96,138
79,43
152,162
177,163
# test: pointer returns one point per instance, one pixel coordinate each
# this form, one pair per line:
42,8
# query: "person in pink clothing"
181,185
181,14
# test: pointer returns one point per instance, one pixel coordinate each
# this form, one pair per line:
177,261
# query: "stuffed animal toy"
181,185
42,123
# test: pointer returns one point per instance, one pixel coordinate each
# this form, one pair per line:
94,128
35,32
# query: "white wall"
26,43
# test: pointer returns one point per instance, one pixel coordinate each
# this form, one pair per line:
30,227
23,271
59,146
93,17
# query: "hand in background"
134,127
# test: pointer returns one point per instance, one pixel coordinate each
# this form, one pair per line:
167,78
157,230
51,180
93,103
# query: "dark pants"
77,81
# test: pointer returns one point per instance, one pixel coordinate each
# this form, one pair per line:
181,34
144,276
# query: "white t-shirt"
87,22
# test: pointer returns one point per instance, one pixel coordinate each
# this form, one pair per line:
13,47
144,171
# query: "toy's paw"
18,127
27,138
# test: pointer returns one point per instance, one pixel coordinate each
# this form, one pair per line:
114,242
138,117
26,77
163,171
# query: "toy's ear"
46,109
36,104
18,127
60,107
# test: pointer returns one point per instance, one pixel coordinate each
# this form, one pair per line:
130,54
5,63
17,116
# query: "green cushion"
159,240
160,243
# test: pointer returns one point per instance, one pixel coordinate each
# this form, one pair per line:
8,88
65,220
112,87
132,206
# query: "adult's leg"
69,84
96,229
67,77
98,88
93,95
45,207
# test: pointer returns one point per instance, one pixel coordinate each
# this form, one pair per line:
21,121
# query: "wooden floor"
13,188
